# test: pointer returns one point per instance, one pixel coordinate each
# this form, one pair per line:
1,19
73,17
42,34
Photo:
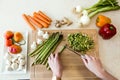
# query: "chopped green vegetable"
80,42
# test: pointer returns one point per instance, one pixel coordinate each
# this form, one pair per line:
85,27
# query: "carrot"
45,25
41,18
45,16
34,21
28,22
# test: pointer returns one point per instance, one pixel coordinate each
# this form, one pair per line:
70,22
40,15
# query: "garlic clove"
33,45
46,35
39,41
78,9
40,32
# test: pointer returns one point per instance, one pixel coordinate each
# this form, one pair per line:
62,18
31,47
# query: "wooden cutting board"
74,68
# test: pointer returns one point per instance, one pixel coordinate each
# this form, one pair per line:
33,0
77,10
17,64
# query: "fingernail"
83,57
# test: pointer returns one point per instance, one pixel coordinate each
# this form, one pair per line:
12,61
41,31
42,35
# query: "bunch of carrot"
38,19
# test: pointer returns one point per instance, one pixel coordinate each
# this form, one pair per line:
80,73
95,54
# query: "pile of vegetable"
39,20
13,40
107,30
100,6
80,42
43,51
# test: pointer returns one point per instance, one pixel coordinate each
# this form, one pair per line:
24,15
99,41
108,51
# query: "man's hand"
55,65
95,66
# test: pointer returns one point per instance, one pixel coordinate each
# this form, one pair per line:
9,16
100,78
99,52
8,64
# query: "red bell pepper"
107,31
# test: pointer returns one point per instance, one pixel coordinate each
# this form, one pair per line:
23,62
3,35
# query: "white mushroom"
21,67
15,59
40,32
21,56
14,66
39,41
22,62
9,68
8,62
8,56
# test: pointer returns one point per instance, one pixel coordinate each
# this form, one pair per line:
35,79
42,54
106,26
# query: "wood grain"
74,68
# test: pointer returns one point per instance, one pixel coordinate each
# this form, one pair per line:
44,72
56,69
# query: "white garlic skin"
40,33
46,35
78,9
39,41
33,45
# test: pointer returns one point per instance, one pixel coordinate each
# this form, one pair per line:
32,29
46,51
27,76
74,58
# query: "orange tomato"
8,42
8,34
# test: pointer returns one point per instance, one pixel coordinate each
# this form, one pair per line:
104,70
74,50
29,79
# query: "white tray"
24,51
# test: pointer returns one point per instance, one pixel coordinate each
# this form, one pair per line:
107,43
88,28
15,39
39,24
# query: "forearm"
56,78
107,76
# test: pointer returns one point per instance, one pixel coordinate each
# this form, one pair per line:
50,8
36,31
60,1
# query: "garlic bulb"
39,41
78,9
40,32
46,35
14,66
33,45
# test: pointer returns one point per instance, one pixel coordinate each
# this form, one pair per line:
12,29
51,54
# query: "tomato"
8,34
8,42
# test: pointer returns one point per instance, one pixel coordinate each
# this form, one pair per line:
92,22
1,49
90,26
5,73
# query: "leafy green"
80,42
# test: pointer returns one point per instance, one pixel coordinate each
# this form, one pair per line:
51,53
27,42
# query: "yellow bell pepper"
102,20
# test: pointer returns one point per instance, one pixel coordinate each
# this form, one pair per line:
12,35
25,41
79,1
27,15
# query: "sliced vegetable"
80,42
102,20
